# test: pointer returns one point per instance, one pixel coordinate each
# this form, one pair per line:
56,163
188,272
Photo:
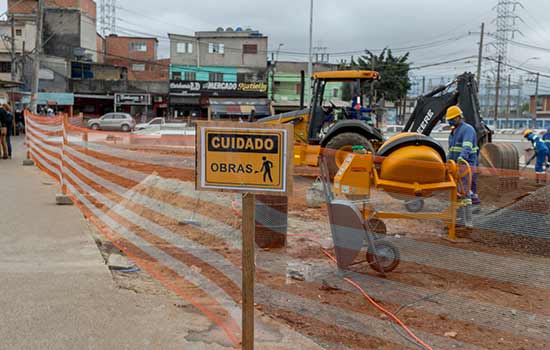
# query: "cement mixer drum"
412,158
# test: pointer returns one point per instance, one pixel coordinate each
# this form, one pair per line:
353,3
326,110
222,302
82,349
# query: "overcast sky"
352,25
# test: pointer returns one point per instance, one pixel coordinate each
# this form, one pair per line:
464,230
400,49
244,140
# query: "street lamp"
529,59
279,50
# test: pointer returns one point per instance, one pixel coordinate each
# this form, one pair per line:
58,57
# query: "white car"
394,129
152,123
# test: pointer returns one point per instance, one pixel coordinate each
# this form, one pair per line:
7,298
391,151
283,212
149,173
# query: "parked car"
113,121
152,123
393,128
442,128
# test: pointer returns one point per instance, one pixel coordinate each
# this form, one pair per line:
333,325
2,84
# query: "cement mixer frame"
361,173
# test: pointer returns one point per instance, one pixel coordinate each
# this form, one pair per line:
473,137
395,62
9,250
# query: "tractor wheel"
340,146
387,255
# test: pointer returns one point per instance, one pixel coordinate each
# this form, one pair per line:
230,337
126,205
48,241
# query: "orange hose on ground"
379,307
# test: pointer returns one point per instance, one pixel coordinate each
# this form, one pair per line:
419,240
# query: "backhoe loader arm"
431,108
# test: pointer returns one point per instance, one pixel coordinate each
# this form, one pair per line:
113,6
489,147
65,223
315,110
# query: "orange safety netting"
139,191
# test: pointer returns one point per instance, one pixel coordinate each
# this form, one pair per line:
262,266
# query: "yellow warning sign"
244,157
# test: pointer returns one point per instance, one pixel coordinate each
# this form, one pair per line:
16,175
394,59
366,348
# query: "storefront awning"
179,100
51,98
239,106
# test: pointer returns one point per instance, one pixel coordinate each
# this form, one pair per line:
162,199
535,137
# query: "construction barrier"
487,291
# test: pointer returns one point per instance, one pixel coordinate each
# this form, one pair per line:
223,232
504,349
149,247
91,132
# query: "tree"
394,74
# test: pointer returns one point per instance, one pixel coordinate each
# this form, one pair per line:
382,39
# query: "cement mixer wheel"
387,257
340,146
415,205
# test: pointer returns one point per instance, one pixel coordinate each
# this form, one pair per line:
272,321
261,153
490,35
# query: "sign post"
251,159
249,270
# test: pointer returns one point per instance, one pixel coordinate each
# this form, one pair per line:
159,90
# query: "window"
215,76
216,48
5,67
176,75
138,46
335,92
539,104
190,76
246,77
250,48
184,47
298,89
138,67
18,32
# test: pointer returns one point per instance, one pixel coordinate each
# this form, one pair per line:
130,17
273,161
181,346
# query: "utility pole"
36,58
310,63
534,121
520,88
508,100
480,54
497,90
13,57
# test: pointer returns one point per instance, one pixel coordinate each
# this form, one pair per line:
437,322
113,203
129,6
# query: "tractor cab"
325,112
327,125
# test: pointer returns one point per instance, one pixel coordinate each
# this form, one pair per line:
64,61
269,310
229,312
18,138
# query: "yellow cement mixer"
408,165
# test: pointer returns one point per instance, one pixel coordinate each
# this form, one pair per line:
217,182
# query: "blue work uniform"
463,145
541,152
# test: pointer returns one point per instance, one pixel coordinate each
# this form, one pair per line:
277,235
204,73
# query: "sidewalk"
57,292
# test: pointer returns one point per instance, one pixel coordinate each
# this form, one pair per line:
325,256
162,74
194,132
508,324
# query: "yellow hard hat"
453,112
527,132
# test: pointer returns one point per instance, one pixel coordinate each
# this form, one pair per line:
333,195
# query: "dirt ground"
433,279
443,299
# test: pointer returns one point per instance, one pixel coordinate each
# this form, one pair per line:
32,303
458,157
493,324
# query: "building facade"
542,107
138,55
285,85
219,74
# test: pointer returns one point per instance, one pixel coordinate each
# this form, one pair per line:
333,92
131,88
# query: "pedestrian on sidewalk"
3,132
9,126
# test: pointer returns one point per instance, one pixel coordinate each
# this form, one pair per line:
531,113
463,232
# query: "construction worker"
546,138
463,147
541,154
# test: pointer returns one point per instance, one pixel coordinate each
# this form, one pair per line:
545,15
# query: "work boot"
460,216
476,204
468,216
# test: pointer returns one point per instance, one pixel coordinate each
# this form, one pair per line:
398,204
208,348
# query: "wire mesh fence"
490,289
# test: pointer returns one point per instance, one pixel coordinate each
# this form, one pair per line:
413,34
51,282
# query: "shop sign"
210,88
133,99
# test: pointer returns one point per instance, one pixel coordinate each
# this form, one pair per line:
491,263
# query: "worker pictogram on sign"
244,157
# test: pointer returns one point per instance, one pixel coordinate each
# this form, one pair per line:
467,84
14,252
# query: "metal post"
423,85
302,88
508,100
36,59
534,120
310,63
13,57
497,91
480,54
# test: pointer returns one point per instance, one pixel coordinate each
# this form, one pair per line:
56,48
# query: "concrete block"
28,162
119,262
61,199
